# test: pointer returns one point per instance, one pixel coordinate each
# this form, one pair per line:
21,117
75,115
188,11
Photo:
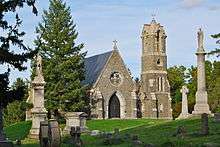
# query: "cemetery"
71,99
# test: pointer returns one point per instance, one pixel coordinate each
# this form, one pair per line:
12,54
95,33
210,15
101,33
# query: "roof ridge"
100,54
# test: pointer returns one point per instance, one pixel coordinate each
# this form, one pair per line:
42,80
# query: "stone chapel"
113,92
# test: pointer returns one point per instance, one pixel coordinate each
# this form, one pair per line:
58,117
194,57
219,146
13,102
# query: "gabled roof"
94,66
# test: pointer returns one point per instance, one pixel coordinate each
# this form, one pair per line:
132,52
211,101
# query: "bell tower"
155,89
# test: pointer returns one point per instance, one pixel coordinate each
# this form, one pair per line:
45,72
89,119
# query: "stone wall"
123,89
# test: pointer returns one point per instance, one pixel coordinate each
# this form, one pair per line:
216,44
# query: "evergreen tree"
63,60
11,38
217,50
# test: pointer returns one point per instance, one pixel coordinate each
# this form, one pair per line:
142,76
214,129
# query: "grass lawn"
149,131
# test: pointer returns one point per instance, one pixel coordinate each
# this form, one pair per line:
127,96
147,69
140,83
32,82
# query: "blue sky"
99,22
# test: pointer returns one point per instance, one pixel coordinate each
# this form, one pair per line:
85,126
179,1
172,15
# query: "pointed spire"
115,44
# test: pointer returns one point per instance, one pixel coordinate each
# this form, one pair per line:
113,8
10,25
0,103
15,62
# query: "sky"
99,22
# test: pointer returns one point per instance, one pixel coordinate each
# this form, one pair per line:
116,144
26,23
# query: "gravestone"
54,133
184,113
217,117
75,136
136,142
43,135
180,132
49,135
95,133
116,131
74,119
205,126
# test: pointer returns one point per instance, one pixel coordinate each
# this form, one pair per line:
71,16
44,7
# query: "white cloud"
192,3
214,8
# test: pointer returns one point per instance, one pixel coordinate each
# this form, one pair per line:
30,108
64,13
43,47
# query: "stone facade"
155,89
114,81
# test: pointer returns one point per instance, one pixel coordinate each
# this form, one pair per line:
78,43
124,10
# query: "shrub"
13,113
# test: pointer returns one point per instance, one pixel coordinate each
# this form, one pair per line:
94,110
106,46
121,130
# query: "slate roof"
94,66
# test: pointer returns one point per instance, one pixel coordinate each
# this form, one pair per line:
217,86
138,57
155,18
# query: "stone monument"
29,101
184,113
74,119
38,111
201,105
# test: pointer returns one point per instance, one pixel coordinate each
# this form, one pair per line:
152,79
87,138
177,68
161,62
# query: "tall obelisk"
201,105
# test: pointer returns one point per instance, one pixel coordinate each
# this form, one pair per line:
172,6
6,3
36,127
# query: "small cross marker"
115,44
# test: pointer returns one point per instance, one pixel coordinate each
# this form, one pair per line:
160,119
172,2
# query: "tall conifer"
63,60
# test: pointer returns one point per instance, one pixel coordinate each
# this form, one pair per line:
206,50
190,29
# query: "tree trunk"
2,134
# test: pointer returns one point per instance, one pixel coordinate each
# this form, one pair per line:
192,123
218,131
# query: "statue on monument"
39,73
200,40
39,65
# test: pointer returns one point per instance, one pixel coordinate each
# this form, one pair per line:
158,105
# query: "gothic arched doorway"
114,107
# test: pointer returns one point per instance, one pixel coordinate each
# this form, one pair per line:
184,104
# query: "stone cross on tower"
184,113
201,105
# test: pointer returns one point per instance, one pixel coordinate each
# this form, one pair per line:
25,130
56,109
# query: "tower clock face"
116,78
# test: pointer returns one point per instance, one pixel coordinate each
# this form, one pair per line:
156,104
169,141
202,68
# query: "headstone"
201,105
75,136
54,133
49,135
18,142
38,111
180,132
205,126
74,119
95,132
184,113
149,145
217,117
136,142
43,135
210,144
116,131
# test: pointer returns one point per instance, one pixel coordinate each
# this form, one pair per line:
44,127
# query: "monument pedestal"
201,105
183,116
37,117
